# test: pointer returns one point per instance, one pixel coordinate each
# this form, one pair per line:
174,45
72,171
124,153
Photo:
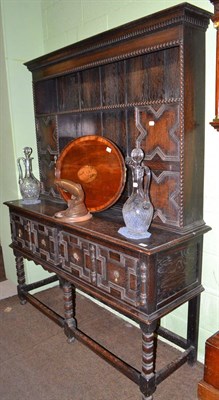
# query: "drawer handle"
76,256
116,276
43,242
20,233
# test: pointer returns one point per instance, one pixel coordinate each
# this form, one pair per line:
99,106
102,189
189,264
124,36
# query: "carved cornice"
139,52
179,15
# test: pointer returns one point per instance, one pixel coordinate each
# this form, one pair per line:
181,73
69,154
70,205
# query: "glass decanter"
137,210
29,185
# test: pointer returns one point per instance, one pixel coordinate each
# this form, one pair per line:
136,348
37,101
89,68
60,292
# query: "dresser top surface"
99,228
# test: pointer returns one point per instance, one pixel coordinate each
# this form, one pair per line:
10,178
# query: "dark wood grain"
92,88
155,65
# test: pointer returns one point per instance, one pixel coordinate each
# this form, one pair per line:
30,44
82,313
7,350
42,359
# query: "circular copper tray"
98,165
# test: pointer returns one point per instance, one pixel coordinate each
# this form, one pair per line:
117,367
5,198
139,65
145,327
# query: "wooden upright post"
215,19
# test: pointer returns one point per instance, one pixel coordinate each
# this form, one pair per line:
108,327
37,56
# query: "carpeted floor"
37,363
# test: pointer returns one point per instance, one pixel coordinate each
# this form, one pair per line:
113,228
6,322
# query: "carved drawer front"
20,231
118,274
44,240
39,239
113,272
77,257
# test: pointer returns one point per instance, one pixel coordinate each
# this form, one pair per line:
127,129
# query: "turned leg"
69,309
20,277
147,380
192,327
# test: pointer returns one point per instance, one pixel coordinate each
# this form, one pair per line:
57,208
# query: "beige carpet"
37,363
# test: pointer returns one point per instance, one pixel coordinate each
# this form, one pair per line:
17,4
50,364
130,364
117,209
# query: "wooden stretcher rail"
73,332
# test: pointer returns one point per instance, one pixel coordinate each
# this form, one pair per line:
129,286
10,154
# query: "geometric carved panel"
165,190
115,273
20,228
44,242
76,256
38,239
162,124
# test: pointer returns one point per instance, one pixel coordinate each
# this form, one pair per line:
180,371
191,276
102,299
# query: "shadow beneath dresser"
37,363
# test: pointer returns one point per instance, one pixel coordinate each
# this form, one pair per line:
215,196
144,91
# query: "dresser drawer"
38,239
118,274
111,271
44,240
20,231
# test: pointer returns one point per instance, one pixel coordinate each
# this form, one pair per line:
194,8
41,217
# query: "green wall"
32,28
21,40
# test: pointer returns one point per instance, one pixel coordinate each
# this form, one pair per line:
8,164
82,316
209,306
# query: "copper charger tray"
98,165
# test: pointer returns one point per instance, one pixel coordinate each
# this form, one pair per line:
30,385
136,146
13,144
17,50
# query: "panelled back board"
93,87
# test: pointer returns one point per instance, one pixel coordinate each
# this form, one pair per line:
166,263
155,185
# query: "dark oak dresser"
156,65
